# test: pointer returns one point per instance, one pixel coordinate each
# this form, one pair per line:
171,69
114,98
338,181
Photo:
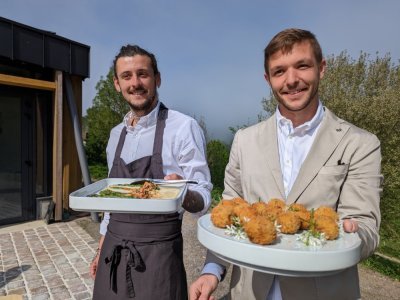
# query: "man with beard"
140,255
307,155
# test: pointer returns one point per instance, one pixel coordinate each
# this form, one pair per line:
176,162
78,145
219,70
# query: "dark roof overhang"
39,47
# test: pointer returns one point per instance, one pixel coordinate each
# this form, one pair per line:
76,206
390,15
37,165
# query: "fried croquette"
227,202
297,207
244,212
328,226
261,208
277,203
221,215
239,200
272,213
260,230
305,219
326,211
289,221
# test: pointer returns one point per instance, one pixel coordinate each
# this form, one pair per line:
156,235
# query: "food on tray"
147,190
328,226
260,230
221,215
326,211
289,222
305,219
261,221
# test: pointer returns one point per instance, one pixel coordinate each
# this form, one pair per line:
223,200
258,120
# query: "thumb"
350,225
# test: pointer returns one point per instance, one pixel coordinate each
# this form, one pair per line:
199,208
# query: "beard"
287,106
147,105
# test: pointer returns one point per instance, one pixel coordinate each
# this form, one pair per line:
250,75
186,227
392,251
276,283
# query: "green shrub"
217,158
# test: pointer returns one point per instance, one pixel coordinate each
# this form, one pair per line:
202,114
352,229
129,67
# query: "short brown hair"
285,40
132,50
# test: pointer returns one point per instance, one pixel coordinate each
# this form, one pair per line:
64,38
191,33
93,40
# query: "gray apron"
142,254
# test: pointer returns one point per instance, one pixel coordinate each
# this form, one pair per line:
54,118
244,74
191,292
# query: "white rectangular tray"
285,257
80,200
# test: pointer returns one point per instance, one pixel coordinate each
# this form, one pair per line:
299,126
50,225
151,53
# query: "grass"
384,266
98,172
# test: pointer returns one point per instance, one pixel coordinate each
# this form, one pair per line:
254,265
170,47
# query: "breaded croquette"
328,226
277,203
244,212
260,230
260,207
326,211
305,218
289,221
297,207
221,215
239,201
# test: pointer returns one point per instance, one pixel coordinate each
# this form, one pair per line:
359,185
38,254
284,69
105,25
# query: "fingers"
203,287
93,268
350,225
173,176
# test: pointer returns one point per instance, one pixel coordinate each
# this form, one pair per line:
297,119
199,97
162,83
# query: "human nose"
291,77
135,81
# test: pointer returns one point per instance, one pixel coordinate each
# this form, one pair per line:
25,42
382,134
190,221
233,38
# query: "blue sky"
210,52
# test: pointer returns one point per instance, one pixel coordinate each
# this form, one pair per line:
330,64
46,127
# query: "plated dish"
286,256
123,195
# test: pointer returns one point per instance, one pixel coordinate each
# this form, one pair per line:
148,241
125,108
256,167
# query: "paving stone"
48,262
82,296
44,296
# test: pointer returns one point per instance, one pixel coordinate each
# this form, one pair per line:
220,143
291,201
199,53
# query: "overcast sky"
210,52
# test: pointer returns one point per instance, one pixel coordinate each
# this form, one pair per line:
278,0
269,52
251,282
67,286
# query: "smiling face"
294,79
137,82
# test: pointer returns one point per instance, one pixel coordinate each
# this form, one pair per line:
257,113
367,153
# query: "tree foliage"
217,158
366,92
109,108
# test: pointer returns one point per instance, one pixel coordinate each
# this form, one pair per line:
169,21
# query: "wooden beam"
57,147
27,82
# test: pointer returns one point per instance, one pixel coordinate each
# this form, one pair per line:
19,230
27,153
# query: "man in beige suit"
304,154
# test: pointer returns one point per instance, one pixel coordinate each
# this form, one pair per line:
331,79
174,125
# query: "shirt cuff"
104,223
214,269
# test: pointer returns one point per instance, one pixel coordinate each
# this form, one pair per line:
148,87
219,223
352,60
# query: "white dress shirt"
183,150
294,145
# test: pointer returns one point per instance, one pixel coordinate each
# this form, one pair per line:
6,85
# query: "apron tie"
134,261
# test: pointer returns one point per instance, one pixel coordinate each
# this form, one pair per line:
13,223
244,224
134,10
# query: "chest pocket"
328,183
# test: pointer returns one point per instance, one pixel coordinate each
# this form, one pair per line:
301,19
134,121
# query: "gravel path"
373,285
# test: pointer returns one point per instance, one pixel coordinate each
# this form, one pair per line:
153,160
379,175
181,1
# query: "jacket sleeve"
233,178
360,195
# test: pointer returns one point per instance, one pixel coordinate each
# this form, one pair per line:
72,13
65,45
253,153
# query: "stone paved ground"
47,262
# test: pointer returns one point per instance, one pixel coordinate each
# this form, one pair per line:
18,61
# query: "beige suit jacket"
253,172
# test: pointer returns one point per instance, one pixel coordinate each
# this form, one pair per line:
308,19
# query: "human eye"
304,66
143,74
126,75
277,72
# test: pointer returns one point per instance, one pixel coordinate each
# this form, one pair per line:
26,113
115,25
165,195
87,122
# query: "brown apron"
142,254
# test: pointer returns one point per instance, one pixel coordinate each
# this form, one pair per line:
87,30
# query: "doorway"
25,152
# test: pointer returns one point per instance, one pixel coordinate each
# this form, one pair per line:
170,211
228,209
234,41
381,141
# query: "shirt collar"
145,121
286,126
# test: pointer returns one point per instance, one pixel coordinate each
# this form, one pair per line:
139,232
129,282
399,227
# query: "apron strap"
156,160
134,261
121,142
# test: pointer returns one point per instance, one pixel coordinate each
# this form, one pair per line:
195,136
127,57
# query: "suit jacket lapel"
328,137
268,140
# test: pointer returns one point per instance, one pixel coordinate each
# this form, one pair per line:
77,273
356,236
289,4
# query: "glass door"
25,153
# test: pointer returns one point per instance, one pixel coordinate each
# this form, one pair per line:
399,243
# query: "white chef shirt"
294,145
183,150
